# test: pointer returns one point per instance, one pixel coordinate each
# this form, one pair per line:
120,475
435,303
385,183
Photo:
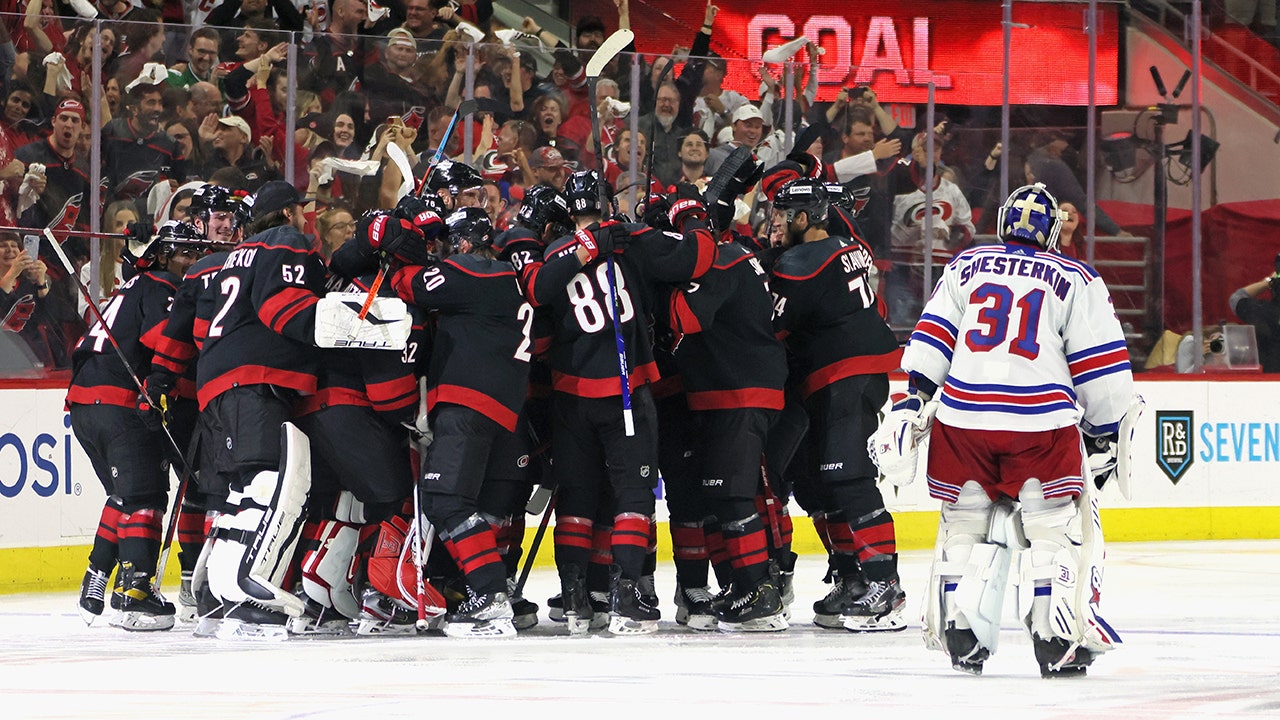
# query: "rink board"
1205,462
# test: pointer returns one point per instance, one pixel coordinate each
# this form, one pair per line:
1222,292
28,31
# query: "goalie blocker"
338,325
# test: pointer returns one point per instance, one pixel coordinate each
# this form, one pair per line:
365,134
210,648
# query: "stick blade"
468,107
608,50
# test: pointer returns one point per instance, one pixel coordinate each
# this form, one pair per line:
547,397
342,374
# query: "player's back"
1021,328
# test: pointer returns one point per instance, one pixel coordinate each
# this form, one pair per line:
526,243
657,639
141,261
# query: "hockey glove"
603,238
1101,450
152,413
687,207
159,382
397,238
895,446
656,208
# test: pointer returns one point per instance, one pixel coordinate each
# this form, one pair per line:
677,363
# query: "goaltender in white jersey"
1022,350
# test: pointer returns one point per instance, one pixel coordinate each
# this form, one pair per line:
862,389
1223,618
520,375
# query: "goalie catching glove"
895,446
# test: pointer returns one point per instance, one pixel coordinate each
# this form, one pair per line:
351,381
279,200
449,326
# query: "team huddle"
359,437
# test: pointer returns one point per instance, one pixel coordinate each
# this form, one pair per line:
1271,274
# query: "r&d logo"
1173,442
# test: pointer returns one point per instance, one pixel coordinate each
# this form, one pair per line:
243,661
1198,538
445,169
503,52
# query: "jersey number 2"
995,320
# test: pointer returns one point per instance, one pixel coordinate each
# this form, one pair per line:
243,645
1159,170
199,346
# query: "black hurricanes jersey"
725,348
482,347
135,317
263,327
132,164
825,308
67,191
584,352
184,333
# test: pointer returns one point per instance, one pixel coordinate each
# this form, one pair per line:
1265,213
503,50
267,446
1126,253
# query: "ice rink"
1198,620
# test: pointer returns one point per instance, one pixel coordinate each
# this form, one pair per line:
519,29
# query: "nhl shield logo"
1173,442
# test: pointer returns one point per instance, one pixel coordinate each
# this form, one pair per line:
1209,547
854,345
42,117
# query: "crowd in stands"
189,96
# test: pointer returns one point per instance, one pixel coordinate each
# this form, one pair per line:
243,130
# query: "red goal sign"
898,47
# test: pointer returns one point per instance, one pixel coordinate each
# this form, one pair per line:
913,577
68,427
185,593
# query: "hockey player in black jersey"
732,368
477,382
218,215
603,266
842,353
122,435
258,357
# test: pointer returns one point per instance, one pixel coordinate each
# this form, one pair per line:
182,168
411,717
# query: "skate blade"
380,627
579,626
830,622
696,622
142,622
619,625
772,623
186,614
232,629
892,621
524,622
502,627
300,627
207,627
968,668
87,616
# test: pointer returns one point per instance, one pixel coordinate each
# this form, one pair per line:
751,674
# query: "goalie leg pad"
963,525
1064,569
392,572
254,546
328,572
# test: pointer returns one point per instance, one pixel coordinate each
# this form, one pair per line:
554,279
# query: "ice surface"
1198,620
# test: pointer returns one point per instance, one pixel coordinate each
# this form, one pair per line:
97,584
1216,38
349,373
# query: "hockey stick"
183,481
106,329
76,233
423,532
466,107
608,50
537,542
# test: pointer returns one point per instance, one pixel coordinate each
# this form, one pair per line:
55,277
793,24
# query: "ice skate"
186,610
829,611
319,621
880,609
381,615
250,622
759,609
142,607
693,608
481,615
1058,658
93,593
967,655
629,612
526,611
575,603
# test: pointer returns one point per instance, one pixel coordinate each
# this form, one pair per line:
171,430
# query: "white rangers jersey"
1022,339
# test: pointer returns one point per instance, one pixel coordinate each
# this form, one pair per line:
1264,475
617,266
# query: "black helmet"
212,198
582,190
544,204
805,195
452,176
141,248
472,224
